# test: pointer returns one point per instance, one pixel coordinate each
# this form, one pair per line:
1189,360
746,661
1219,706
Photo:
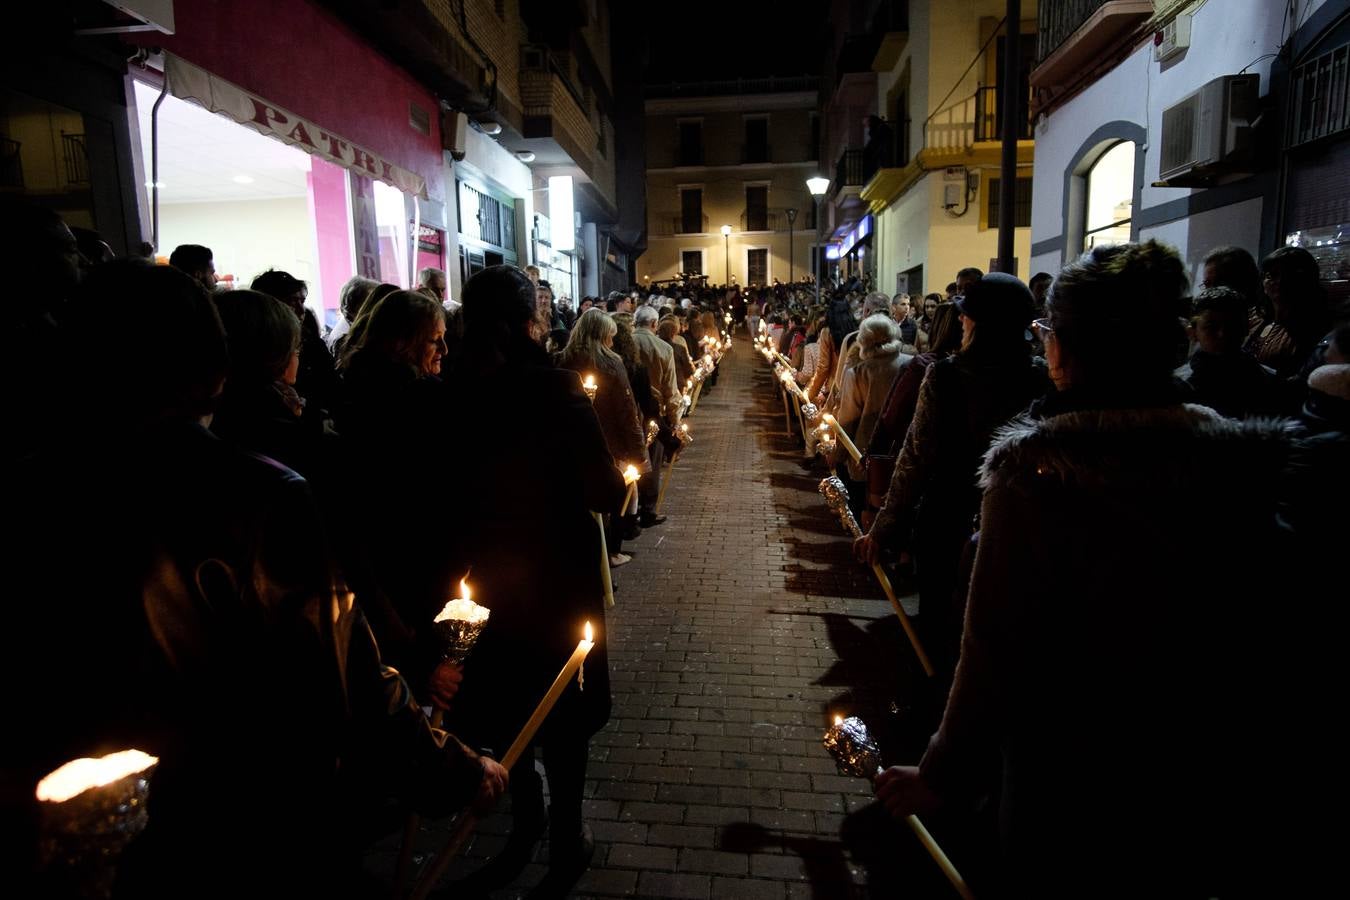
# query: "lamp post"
817,186
791,217
726,248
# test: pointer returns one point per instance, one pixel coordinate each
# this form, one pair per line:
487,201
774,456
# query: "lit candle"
590,387
91,809
856,753
653,430
630,478
844,439
572,667
470,819
457,627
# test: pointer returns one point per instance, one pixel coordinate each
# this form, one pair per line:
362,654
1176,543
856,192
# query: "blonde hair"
587,340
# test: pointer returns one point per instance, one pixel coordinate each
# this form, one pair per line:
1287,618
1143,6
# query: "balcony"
849,171
773,218
1077,36
970,121
754,153
734,86
667,225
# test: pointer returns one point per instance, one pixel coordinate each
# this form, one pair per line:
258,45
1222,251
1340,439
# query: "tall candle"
843,437
630,478
572,667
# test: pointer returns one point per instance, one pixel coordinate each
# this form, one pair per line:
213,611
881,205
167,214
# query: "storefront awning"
189,82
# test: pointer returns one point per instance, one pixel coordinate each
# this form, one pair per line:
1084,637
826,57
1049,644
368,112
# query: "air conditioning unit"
1208,131
1172,38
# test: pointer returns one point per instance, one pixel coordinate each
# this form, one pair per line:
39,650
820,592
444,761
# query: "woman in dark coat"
393,409
589,352
1115,652
537,465
962,401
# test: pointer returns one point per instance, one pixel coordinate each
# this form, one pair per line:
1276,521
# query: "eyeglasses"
1043,329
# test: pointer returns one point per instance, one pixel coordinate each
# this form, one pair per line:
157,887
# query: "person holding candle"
539,465
590,351
191,610
1131,755
396,549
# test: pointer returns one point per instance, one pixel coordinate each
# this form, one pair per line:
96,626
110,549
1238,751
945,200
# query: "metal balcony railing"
76,159
772,218
849,171
668,225
1057,19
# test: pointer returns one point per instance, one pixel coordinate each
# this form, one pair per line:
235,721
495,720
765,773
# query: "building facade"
727,164
1184,122
916,187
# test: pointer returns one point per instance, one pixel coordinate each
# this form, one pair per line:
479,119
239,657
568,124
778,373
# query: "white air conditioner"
1208,128
1172,38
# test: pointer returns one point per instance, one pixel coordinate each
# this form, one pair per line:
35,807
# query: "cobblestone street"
741,627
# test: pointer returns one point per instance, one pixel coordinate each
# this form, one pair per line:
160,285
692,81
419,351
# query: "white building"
1124,149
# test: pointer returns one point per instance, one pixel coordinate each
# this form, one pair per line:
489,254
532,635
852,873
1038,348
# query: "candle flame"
79,775
839,720
590,381
590,635
630,474
464,592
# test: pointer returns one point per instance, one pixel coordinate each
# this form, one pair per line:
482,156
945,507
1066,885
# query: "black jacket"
535,468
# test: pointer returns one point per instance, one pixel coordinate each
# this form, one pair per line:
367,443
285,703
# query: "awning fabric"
188,82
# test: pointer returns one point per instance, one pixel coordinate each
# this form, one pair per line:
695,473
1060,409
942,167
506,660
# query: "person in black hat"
963,401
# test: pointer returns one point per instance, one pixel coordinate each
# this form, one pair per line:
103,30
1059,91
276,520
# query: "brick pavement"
740,627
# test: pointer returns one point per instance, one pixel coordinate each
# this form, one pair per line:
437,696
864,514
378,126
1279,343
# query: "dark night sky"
697,40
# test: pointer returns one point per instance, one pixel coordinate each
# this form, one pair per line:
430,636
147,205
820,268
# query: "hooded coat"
865,388
1117,675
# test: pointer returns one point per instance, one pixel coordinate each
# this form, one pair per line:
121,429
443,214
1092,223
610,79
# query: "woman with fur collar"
1114,651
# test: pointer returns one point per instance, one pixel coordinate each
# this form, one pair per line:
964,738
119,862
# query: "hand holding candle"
469,821
836,498
857,753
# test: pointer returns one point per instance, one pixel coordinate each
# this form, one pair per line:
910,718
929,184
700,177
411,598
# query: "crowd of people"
1119,499
237,529
1115,497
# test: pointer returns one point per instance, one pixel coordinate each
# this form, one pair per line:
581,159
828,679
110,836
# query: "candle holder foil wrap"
812,413
854,749
591,390
83,837
653,430
457,637
836,498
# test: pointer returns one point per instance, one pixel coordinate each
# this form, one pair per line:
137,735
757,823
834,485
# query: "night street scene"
842,449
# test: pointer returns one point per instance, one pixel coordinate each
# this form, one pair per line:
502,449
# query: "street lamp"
817,186
726,247
791,217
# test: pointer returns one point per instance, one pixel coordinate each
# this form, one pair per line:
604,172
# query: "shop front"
323,171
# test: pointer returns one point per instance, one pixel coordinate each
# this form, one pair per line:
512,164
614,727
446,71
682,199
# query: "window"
691,144
756,140
757,266
757,208
902,129
1021,207
691,262
691,211
1110,197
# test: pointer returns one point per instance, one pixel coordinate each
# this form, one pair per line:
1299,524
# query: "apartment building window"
1110,197
756,140
691,144
757,208
757,265
691,211
691,262
1021,208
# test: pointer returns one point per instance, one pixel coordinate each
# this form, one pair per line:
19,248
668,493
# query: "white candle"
546,705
